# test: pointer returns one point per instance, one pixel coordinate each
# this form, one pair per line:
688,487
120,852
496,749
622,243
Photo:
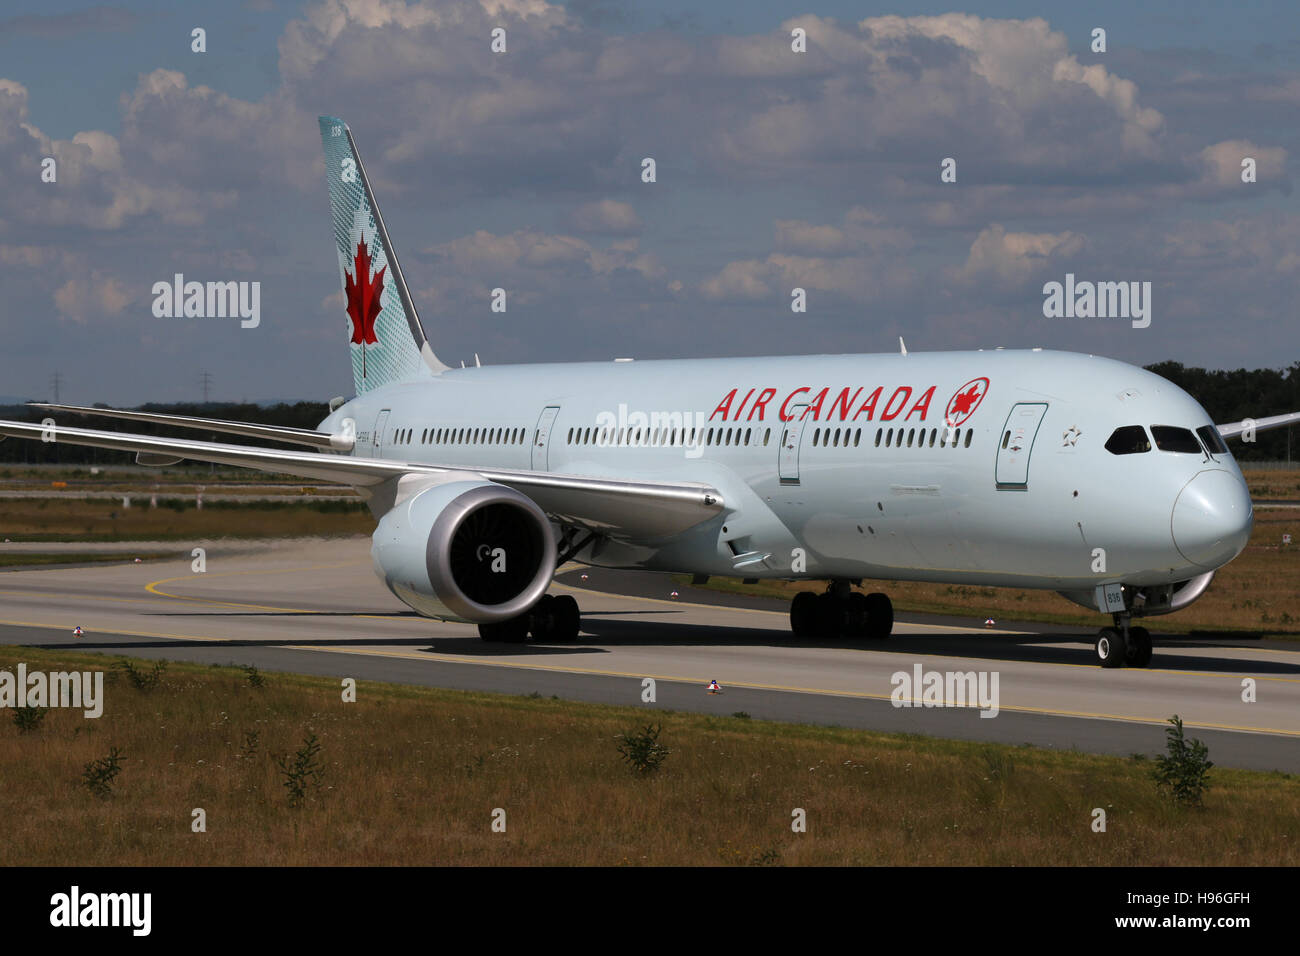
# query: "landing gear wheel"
542,620
567,618
1112,649
859,615
803,615
880,616
1139,647
830,616
512,631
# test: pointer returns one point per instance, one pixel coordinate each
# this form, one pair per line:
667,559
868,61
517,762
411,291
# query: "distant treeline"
1244,393
1227,396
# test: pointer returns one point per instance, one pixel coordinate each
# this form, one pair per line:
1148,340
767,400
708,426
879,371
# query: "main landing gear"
555,619
1121,645
841,612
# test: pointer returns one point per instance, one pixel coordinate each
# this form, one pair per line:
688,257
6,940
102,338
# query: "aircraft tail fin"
387,340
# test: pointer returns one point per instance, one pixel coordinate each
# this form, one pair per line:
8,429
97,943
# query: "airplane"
1016,468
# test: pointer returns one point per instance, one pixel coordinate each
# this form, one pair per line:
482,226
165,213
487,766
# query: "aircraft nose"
1212,519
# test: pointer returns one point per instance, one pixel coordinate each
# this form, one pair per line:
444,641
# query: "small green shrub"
144,680
29,719
100,774
642,750
303,771
1183,772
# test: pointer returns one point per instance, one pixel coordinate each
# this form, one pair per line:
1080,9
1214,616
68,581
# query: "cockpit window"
1170,438
1213,440
1128,440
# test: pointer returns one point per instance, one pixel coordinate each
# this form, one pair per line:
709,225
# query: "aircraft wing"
1260,424
622,508
295,436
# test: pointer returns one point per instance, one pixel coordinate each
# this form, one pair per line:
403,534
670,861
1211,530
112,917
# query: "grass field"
413,776
73,519
24,560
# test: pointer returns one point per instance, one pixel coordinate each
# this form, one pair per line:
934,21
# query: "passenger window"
970,433
1171,438
766,435
877,437
1128,440
1006,438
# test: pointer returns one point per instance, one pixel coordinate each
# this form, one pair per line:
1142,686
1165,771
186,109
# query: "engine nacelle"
466,550
1151,599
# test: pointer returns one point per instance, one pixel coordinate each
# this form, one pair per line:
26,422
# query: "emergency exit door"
542,438
1016,444
791,432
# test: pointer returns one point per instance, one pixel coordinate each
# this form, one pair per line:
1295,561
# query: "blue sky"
818,170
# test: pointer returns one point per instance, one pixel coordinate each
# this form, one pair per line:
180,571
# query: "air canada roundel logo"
964,401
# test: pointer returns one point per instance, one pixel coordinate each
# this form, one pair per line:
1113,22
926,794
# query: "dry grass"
412,776
1284,485
27,560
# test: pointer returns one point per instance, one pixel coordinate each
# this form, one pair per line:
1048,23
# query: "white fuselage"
984,467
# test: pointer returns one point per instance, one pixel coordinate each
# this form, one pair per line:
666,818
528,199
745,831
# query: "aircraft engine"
466,550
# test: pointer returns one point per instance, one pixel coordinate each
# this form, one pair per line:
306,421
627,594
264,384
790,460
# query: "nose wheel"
1123,646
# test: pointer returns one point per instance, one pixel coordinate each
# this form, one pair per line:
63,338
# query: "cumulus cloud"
81,299
530,263
1011,258
749,280
797,236
607,217
1221,164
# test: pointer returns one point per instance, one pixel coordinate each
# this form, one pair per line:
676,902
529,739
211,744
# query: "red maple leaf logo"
364,293
965,400
962,403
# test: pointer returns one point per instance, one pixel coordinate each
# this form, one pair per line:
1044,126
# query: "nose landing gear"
1123,645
